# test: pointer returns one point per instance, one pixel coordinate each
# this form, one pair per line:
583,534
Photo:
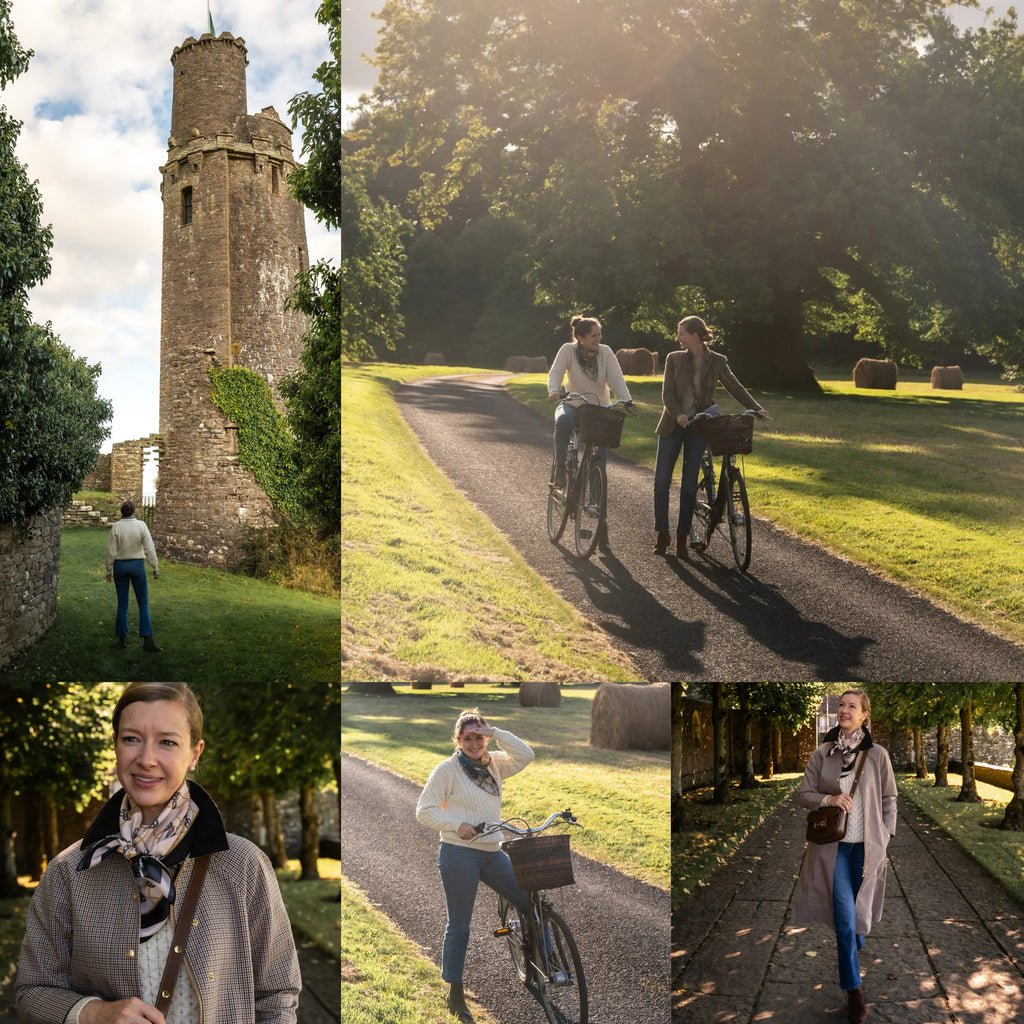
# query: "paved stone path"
949,949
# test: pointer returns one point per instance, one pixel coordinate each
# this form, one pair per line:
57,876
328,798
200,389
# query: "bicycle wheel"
739,519
558,510
589,503
701,528
563,990
514,933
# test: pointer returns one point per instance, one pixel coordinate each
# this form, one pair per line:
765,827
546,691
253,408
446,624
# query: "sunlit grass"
923,487
621,797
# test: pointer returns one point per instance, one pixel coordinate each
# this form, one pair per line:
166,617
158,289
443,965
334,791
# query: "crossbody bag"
828,824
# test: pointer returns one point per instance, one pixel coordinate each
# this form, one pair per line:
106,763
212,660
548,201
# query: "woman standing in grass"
843,884
129,547
462,791
102,928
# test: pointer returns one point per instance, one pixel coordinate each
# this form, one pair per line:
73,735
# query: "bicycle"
585,494
542,947
728,436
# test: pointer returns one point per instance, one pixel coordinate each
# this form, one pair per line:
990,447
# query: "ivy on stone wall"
265,444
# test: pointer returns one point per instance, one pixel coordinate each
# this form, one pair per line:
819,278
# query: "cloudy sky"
95,106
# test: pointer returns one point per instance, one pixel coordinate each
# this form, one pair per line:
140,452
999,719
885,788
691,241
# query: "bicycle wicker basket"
601,425
727,435
541,862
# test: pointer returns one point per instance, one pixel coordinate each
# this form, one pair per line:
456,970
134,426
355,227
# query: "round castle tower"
233,241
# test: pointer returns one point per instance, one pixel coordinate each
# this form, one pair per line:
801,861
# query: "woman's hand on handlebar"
682,419
555,396
467,831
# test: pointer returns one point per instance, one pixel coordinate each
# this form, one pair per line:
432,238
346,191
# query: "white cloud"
95,107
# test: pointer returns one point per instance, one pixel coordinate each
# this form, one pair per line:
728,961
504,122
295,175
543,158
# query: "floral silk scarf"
847,746
478,772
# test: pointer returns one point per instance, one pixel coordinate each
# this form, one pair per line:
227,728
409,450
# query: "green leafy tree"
51,420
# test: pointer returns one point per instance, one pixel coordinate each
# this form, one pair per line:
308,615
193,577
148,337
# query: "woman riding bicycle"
463,789
691,375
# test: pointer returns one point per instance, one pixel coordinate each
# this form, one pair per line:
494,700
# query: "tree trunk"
969,790
275,838
770,354
310,834
942,756
919,759
1013,819
747,780
34,853
9,887
767,751
718,721
51,828
677,742
777,746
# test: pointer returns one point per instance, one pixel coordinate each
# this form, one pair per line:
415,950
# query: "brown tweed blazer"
82,931
681,393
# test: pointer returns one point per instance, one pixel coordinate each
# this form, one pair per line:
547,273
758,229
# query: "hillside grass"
620,797
923,487
431,590
212,625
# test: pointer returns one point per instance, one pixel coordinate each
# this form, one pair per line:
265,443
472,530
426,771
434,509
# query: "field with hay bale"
877,374
547,694
948,378
620,797
631,716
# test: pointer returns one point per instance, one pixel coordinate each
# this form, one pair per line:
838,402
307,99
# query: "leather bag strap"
861,758
181,930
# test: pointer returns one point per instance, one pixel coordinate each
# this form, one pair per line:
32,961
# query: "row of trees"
913,707
56,751
787,169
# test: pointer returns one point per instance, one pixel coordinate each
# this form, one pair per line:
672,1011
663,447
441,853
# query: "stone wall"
29,570
99,478
233,240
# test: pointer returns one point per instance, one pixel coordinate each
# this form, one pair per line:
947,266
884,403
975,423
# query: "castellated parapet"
233,241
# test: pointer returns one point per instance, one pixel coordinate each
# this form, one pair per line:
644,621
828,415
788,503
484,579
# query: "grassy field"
972,825
621,797
430,589
211,624
385,976
923,487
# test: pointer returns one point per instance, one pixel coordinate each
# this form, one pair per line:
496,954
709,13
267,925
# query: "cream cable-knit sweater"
450,797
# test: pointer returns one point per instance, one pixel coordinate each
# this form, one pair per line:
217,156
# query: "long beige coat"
813,898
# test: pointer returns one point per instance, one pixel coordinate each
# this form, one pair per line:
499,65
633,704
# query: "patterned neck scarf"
478,772
847,746
152,851
589,366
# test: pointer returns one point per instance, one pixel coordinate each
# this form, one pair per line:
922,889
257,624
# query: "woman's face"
851,715
154,751
687,340
472,744
589,342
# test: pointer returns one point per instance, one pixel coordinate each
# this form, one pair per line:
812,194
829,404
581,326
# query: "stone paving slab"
948,950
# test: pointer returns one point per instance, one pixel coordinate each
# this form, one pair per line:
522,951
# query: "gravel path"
621,925
798,613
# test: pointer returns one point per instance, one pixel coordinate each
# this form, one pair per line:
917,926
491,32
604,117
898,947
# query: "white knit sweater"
450,797
855,819
609,374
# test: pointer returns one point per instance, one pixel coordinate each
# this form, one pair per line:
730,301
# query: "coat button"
211,975
130,953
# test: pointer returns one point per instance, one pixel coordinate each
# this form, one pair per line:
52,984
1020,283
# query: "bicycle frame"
729,502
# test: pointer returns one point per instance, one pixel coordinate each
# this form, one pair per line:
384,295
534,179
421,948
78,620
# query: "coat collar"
207,832
865,744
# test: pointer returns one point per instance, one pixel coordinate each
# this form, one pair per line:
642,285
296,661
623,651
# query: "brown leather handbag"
828,824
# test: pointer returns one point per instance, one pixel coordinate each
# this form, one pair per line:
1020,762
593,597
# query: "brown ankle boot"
149,645
681,549
661,542
857,1009
456,1002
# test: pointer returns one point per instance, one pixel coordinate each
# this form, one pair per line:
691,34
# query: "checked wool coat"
82,930
813,898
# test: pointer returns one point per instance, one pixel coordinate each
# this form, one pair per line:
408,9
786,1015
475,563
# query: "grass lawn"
211,624
621,797
714,832
313,906
972,825
384,975
924,487
431,590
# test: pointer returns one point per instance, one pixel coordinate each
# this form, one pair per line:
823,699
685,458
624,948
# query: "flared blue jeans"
131,573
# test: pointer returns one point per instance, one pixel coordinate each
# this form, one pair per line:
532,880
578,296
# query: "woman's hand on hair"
124,1011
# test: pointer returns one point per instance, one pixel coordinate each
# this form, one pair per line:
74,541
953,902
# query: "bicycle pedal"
500,932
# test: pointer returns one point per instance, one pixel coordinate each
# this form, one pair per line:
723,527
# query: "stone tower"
233,240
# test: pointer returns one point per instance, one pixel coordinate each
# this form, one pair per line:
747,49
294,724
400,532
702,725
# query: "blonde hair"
865,700
468,717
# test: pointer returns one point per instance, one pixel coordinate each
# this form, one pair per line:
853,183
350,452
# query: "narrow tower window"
186,205
273,179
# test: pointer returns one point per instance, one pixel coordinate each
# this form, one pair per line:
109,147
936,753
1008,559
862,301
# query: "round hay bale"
948,378
625,358
880,374
644,363
540,695
536,364
515,364
456,685
420,685
632,716
434,359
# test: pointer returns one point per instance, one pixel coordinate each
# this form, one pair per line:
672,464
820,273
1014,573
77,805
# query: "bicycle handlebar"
486,828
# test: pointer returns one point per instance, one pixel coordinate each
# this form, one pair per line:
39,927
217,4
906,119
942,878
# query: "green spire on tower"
209,18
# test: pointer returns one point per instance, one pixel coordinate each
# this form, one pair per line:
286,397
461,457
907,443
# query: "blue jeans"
685,440
567,419
849,873
462,869
131,572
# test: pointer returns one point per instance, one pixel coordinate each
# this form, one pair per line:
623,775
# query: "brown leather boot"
457,1003
682,551
148,645
857,1009
661,542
